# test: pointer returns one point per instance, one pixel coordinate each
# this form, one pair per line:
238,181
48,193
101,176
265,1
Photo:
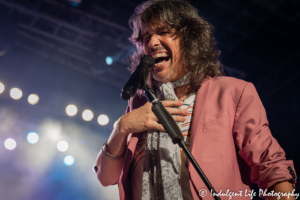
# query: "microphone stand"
174,132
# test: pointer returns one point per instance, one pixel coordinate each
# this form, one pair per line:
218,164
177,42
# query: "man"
222,118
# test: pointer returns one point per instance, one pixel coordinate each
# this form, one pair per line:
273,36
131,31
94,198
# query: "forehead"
154,26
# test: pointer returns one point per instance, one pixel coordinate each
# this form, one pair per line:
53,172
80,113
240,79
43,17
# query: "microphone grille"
147,60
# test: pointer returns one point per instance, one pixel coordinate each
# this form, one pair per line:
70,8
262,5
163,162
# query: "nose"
154,41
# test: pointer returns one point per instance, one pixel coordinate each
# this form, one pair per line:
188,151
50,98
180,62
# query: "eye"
164,33
146,38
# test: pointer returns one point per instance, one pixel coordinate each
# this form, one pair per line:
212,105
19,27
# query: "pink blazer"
230,133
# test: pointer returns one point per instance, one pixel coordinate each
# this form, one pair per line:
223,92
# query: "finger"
172,103
156,126
176,111
179,118
148,105
182,98
160,128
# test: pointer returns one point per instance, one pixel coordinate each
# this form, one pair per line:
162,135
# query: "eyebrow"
160,28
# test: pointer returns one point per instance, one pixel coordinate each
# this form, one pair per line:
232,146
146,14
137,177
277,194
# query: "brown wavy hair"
197,44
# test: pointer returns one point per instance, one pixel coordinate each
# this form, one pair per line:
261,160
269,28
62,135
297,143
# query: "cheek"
145,49
177,54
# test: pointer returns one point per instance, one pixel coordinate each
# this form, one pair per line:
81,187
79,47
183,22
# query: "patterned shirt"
136,172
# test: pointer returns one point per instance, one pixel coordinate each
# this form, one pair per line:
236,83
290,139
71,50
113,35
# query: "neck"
181,91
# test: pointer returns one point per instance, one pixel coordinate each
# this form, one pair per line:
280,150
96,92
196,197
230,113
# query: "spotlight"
87,115
33,99
1,88
69,160
32,137
53,131
62,146
71,110
103,120
10,144
16,93
75,3
109,60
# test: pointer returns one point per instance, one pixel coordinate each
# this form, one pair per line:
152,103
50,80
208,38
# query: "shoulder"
229,84
229,87
226,82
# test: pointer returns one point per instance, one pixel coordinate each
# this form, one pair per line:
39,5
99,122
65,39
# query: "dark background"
57,49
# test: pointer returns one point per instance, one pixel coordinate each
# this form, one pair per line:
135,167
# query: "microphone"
138,78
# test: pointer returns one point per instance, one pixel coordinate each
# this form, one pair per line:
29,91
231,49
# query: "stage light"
109,60
1,88
10,144
74,4
87,115
33,99
103,120
62,146
71,110
52,130
16,93
69,160
32,137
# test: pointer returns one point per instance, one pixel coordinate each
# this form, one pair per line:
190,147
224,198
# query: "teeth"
160,63
158,55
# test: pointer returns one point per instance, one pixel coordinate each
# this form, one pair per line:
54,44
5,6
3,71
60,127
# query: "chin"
162,77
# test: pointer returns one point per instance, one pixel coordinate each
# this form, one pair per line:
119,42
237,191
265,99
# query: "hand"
280,188
143,119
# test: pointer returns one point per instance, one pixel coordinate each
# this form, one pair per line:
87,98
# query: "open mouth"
161,58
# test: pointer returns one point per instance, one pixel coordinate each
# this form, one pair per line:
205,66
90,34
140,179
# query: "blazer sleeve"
256,144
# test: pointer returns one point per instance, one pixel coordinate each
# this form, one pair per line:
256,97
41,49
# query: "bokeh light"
71,110
69,160
33,99
87,115
109,60
52,130
32,137
16,93
62,146
10,144
1,88
74,4
103,120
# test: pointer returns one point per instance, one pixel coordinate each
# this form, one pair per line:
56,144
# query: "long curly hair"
197,44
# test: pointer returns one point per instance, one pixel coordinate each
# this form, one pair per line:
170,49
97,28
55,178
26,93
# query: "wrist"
108,154
121,126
